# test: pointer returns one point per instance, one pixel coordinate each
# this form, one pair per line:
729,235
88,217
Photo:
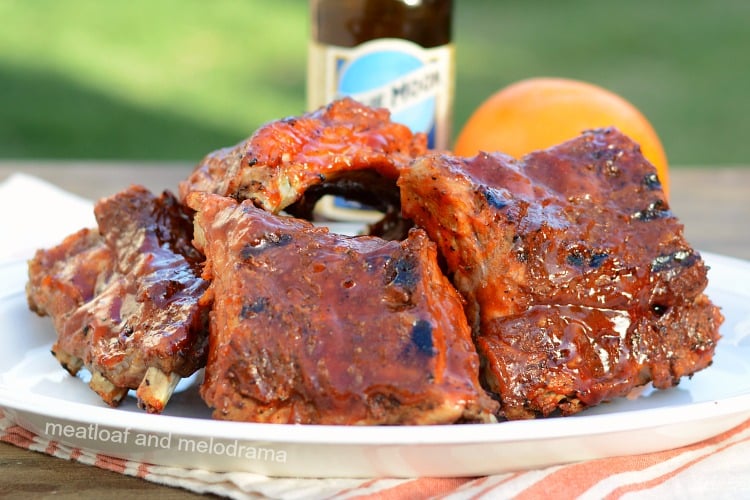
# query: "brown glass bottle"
396,54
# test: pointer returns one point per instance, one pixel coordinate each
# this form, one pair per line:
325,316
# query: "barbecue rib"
313,327
124,300
579,284
345,149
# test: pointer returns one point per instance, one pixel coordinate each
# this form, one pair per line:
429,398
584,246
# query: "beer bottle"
396,54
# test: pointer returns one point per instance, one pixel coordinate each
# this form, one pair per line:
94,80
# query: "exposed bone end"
155,390
71,363
110,393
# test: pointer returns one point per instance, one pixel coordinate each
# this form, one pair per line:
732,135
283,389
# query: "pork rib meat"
579,283
344,148
313,327
124,299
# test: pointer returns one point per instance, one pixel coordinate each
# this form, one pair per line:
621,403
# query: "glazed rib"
124,299
579,283
312,327
345,149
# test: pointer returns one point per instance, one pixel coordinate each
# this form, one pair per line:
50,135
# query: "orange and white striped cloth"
718,467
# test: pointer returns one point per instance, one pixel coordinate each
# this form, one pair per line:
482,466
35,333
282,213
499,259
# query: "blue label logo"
396,80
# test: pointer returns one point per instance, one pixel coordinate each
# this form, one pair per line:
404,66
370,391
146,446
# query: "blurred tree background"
172,80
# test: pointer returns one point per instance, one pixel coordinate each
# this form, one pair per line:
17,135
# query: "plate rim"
511,431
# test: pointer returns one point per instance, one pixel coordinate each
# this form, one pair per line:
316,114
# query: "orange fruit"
538,113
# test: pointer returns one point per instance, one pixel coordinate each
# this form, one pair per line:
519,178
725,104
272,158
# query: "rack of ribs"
124,299
497,288
345,149
579,284
311,327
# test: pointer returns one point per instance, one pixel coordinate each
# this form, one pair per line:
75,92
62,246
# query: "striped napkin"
718,467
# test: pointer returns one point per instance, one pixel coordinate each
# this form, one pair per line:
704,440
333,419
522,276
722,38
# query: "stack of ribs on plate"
492,289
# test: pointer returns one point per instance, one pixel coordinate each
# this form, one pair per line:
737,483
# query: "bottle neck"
348,23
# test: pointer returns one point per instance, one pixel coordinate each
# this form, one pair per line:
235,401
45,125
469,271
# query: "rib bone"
110,393
155,390
71,363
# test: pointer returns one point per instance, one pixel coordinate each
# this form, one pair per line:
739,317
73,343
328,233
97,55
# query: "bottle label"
414,83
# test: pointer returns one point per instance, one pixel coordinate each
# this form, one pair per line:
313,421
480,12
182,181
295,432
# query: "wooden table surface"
712,202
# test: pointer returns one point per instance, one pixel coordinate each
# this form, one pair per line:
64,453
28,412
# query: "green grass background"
174,79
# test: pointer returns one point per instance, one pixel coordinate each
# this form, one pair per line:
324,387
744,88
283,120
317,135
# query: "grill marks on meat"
579,283
313,327
344,148
124,300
